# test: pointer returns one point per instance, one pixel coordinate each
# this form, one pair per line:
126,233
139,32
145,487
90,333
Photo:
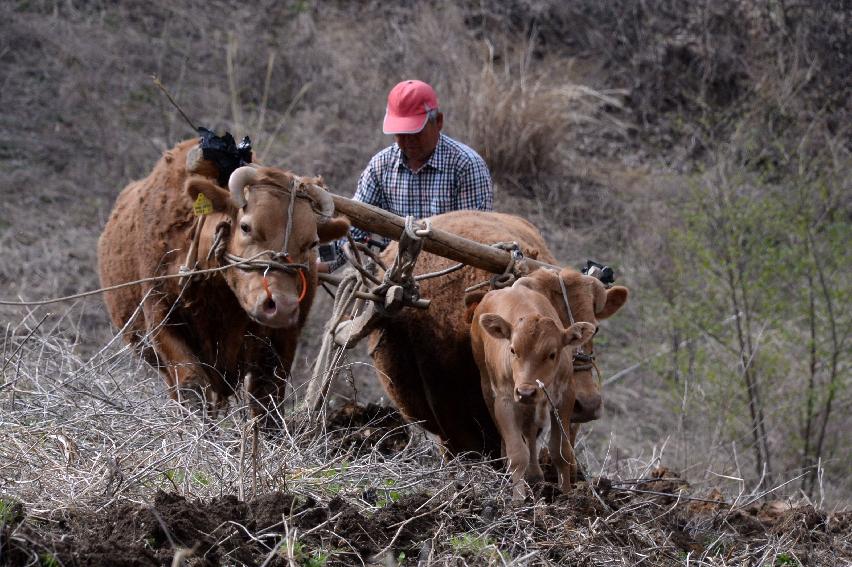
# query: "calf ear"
577,334
197,185
616,297
332,229
495,326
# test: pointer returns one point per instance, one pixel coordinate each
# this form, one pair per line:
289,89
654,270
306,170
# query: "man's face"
418,147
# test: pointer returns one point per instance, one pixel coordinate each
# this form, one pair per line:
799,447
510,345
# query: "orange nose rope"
266,288
302,279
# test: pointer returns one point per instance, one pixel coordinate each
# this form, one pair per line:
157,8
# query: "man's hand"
323,267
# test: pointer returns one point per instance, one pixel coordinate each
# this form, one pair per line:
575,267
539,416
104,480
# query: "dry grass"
83,437
601,174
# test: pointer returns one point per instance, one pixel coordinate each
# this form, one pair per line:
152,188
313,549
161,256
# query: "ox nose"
525,392
276,311
587,408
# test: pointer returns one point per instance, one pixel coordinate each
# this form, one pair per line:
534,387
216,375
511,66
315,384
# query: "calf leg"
517,451
562,452
534,474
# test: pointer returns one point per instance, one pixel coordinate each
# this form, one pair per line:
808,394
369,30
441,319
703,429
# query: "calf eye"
512,350
244,226
552,356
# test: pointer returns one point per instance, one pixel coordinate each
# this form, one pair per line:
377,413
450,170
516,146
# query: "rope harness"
352,319
581,360
263,261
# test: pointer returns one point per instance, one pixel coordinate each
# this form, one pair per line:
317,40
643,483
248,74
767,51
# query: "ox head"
257,207
590,302
536,347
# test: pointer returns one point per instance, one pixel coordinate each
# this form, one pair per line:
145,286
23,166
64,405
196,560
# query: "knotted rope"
361,277
346,305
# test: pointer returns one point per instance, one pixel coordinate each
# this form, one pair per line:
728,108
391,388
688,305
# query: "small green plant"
389,496
784,558
306,558
176,476
477,546
11,511
200,478
333,488
48,560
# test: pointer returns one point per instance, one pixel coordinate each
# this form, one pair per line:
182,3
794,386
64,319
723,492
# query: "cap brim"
404,124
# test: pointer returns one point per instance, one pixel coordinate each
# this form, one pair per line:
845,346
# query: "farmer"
424,172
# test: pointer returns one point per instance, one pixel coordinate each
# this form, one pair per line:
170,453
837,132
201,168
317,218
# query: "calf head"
536,346
256,214
590,302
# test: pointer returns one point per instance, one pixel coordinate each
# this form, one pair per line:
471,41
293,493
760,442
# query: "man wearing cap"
425,172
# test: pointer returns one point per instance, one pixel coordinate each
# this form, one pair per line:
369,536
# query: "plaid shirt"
454,178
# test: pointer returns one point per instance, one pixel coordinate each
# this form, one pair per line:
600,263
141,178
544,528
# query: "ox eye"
552,355
244,226
512,350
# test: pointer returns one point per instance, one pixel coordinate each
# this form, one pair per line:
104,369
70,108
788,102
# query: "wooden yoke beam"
439,242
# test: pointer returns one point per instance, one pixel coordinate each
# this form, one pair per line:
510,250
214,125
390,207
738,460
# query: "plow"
369,291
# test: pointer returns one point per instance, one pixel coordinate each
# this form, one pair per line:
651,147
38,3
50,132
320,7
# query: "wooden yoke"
439,242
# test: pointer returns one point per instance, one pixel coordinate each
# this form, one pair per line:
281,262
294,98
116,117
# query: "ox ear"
197,185
577,334
471,300
329,229
616,297
495,326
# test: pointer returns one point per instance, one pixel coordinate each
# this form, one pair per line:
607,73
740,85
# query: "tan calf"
524,357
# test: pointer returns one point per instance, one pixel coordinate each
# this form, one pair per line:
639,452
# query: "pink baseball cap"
409,103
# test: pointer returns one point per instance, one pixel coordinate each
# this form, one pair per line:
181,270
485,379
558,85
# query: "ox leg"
186,380
578,471
562,451
266,380
517,452
265,392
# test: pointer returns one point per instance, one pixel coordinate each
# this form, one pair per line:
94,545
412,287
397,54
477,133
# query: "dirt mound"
217,532
226,531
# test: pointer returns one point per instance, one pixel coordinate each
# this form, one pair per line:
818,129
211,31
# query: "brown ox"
423,358
591,302
230,325
525,362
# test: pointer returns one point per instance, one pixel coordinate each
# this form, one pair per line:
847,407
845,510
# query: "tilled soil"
225,531
625,519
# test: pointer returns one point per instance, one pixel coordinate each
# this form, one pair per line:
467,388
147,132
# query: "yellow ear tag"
202,205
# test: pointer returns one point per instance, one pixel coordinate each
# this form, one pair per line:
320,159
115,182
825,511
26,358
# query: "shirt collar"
436,161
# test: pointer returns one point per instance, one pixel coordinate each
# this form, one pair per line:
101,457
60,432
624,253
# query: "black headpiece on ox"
224,152
599,271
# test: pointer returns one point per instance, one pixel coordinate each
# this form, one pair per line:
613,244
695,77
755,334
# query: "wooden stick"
439,242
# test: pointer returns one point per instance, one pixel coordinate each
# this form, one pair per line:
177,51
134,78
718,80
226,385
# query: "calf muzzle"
525,393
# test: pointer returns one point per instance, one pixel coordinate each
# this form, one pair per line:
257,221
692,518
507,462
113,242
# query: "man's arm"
367,191
475,188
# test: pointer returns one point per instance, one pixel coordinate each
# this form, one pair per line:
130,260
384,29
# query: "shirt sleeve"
367,191
475,188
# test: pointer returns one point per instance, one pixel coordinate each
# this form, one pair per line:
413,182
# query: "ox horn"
319,196
241,177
